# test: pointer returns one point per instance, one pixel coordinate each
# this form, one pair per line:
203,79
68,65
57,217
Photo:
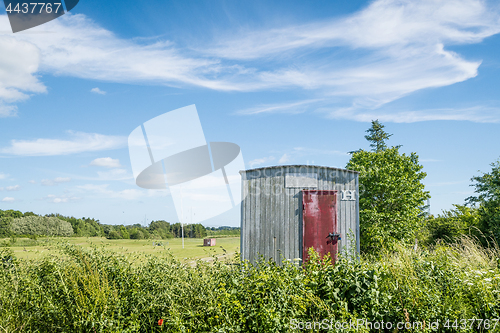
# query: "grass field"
25,248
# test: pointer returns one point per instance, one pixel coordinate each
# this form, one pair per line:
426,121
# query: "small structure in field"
209,242
288,209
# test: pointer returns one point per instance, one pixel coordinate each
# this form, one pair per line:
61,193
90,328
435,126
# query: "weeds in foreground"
100,291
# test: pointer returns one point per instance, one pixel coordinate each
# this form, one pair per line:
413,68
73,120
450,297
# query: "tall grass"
99,291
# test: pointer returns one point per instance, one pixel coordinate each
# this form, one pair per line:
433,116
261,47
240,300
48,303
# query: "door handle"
333,235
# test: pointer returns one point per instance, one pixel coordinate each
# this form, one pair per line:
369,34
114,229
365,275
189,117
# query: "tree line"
14,223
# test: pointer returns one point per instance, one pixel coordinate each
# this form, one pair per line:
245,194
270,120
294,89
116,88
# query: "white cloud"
31,181
83,49
13,188
7,110
384,23
260,161
3,175
55,181
77,143
284,159
393,48
19,63
357,62
97,91
479,114
291,107
8,199
107,162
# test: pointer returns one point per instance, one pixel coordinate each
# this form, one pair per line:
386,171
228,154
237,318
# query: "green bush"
99,291
114,235
452,225
41,225
136,234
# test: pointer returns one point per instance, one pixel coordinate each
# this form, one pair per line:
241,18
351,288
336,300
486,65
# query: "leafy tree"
391,193
136,233
160,229
113,235
6,217
123,232
195,231
487,187
29,214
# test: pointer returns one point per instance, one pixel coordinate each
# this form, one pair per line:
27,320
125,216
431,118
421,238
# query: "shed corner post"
242,215
358,240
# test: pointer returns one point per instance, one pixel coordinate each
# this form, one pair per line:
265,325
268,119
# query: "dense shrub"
451,225
41,225
136,234
487,200
99,291
114,235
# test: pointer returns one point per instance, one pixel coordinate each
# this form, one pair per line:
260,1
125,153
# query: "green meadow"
26,248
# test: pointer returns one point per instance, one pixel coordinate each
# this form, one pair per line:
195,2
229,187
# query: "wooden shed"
288,209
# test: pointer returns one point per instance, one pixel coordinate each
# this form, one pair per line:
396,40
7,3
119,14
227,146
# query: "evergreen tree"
377,136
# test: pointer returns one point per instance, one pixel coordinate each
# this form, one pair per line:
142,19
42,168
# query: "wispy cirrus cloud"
357,63
479,114
370,58
77,142
287,107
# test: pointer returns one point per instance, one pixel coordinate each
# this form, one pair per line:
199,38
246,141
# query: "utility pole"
182,218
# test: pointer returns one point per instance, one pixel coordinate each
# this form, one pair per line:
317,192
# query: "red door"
319,218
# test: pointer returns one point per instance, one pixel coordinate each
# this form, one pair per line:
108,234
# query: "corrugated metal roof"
298,166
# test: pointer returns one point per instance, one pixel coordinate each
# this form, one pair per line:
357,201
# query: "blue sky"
291,82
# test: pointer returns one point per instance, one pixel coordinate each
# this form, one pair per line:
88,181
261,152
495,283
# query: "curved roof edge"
298,166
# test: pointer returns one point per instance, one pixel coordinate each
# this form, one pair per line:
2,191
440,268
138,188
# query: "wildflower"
160,322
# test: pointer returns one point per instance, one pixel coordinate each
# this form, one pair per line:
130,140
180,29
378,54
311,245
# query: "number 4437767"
31,8
471,323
